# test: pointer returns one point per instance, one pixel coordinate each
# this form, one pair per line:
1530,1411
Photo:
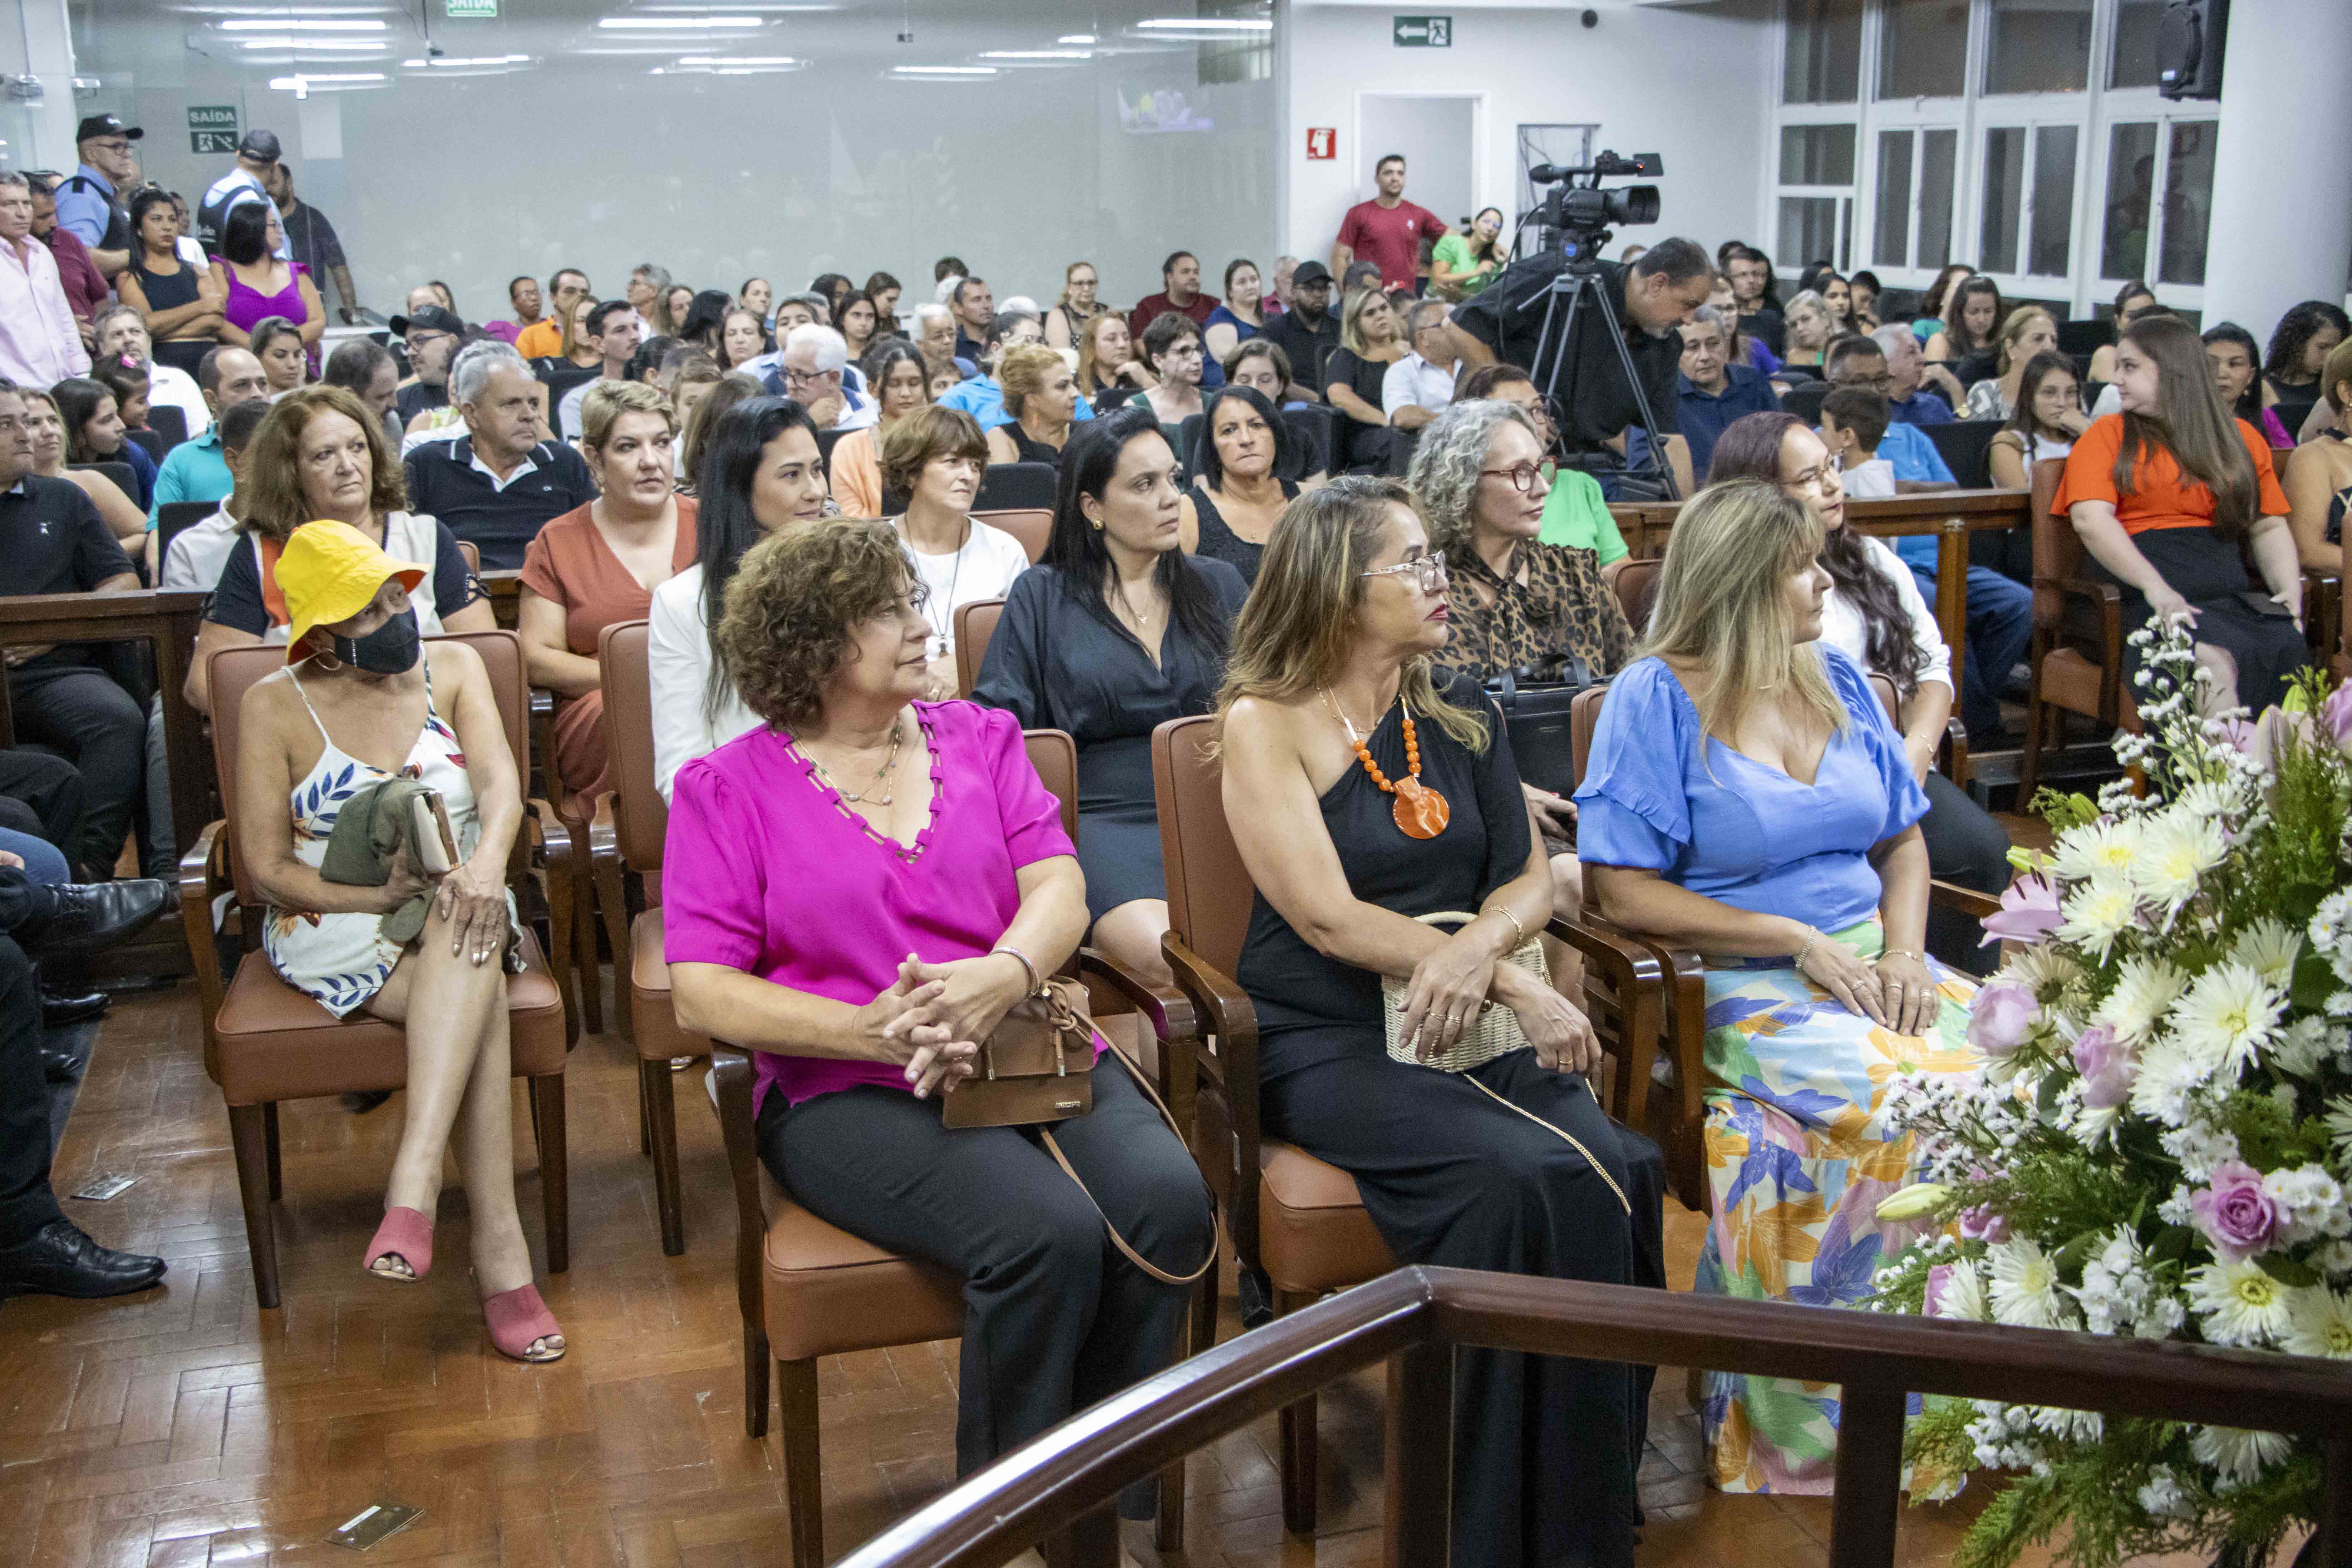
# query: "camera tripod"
1580,281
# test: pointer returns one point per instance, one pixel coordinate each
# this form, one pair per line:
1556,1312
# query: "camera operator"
1594,403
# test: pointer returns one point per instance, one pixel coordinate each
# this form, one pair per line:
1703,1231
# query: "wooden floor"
185,1425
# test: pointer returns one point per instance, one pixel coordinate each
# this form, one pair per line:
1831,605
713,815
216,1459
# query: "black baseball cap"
1309,272
433,319
260,145
106,125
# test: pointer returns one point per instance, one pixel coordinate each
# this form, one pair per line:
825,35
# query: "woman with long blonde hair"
1367,786
1747,796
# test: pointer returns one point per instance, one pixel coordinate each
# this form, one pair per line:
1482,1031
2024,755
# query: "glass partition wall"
470,141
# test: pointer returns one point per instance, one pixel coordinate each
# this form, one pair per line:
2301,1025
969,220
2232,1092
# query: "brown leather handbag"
1037,1065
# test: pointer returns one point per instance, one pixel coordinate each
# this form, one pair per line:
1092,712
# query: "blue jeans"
2000,630
45,863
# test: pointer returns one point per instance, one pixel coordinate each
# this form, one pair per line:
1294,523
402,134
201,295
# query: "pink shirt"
1391,237
766,871
39,344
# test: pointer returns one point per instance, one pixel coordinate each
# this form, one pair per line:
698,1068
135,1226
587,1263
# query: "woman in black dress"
1115,631
1371,340
1042,394
181,303
1337,723
1234,505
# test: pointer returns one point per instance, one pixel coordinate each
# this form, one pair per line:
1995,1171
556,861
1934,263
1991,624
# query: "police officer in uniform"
94,204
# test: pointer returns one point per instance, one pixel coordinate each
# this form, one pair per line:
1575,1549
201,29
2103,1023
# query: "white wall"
1692,84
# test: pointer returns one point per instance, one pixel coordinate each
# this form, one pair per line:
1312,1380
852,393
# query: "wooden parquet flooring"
187,1426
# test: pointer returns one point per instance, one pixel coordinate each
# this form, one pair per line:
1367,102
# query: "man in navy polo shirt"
1711,390
499,484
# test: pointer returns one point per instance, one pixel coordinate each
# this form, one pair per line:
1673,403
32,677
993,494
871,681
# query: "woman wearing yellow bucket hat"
362,700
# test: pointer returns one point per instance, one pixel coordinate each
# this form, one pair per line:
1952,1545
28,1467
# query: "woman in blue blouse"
1746,797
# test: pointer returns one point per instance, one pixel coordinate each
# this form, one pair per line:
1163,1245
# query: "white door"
1437,134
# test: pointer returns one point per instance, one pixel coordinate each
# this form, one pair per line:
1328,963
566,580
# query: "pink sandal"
406,1234
515,1318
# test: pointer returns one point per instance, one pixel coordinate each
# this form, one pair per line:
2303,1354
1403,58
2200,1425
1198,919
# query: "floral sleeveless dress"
340,960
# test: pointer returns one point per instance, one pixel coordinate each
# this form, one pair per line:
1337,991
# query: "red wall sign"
1322,141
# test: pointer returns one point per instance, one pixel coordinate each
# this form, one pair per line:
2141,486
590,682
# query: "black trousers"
1055,1318
41,794
25,1202
83,712
1545,1448
1967,847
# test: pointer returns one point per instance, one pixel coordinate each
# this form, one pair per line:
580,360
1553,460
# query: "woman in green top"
1461,264
1574,512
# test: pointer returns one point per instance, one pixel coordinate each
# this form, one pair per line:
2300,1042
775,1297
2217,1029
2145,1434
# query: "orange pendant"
1420,811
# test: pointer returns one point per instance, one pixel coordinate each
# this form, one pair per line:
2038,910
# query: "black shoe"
92,916
360,1101
60,1260
62,1010
60,1066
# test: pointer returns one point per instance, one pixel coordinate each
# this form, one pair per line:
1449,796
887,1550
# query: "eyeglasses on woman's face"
1428,571
1523,476
1821,476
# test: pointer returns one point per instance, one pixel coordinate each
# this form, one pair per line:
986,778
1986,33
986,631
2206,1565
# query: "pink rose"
1939,1277
2029,911
2235,1212
2001,1018
1983,1225
2107,1066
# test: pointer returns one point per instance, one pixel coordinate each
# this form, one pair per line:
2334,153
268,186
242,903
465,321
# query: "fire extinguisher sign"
1322,141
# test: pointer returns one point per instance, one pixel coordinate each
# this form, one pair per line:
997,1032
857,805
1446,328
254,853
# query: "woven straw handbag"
1498,1030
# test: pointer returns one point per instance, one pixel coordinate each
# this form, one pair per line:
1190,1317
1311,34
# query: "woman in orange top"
2163,494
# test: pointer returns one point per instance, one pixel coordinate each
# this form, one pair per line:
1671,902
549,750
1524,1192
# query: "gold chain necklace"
898,733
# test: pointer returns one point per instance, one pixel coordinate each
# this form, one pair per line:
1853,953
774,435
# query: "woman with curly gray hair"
861,888
1480,477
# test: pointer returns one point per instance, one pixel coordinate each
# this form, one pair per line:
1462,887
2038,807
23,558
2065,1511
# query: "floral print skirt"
1798,1159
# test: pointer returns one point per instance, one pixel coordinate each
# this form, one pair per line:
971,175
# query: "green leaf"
2287,1271
2313,981
2171,1243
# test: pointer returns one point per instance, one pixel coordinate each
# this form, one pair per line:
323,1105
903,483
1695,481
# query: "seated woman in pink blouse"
857,892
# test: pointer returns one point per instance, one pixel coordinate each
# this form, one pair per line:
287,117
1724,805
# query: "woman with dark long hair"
1972,317
1933,303
1115,631
704,320
741,338
2044,424
2236,359
94,432
2306,335
1874,613
896,379
254,284
760,473
1233,505
1461,265
1837,295
857,321
181,304
2165,494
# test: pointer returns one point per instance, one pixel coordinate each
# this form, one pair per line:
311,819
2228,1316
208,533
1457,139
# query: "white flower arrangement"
2159,1145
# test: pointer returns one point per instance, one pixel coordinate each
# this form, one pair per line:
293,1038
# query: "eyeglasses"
1428,571
1878,383
1816,479
1523,474
804,378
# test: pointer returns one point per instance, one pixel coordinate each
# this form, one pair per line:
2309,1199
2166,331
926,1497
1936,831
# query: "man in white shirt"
616,328
813,358
120,330
196,554
1422,383
40,344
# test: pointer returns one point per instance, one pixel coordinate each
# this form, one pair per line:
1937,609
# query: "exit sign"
466,10
211,128
1423,32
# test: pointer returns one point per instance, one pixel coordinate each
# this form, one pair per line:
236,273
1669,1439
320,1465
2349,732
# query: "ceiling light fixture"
345,44
1076,39
796,5
767,61
323,79
943,70
448,62
300,25
676,24
1037,54
1206,24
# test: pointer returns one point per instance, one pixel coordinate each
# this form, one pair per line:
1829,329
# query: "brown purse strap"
1216,1215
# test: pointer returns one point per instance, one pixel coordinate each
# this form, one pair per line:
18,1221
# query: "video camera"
1577,216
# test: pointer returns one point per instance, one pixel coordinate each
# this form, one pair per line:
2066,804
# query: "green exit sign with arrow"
1424,32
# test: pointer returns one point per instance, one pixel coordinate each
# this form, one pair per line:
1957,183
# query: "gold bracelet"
1899,953
1505,911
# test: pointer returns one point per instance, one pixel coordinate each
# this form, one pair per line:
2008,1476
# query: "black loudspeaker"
2189,48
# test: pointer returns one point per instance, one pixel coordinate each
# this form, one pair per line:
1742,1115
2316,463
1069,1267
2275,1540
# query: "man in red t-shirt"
1387,230
1179,280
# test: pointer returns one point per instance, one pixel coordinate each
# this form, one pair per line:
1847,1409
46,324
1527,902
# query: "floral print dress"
340,960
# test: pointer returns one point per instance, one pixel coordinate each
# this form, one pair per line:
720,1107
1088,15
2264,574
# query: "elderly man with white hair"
502,480
935,340
811,376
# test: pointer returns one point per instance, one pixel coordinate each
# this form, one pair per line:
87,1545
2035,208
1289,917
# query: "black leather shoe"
62,1010
58,1066
92,916
61,1260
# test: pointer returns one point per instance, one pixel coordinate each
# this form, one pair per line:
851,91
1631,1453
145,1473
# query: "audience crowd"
1336,506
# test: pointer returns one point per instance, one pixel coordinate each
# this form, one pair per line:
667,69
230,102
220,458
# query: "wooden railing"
1069,1479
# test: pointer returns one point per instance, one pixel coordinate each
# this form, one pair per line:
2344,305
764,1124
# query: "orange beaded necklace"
1419,811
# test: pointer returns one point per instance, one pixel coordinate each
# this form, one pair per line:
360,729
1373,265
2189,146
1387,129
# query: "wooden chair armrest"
1637,981
1171,1012
1967,900
1222,1010
1952,755
730,1075
1685,1028
2085,588
204,868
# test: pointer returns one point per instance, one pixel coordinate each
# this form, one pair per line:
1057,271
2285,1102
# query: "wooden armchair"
1295,1220
2077,653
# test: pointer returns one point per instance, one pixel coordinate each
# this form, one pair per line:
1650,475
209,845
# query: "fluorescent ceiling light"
943,70
795,5
1206,24
300,25
771,61
323,79
346,45
677,24
1037,54
447,62
1076,39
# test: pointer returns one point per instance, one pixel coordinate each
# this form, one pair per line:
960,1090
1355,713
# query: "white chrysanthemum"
2269,948
2333,1258
2076,1426
2303,1045
2238,1304
2162,1496
1963,1294
2238,1454
2173,854
2106,846
2331,931
2214,800
2025,1292
2312,1200
2166,1075
2320,1323
2227,1014
2340,1124
2200,1146
2099,911
2146,989
2043,970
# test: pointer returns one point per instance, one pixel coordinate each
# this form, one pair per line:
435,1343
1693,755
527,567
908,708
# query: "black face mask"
391,649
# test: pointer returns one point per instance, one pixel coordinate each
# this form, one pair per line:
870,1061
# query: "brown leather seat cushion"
828,1293
275,1043
659,1038
1313,1232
